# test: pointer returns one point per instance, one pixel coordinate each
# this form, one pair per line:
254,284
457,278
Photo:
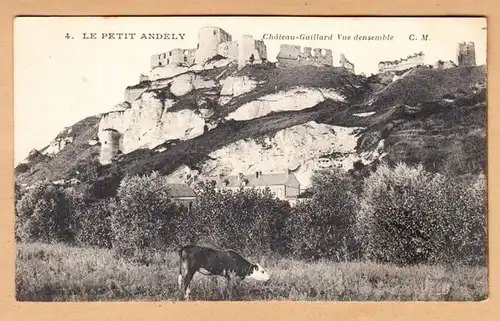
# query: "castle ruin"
212,41
346,64
110,145
466,54
293,55
411,61
444,64
177,57
143,78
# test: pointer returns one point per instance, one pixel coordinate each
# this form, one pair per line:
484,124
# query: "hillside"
224,120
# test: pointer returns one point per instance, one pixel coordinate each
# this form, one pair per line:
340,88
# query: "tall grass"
55,272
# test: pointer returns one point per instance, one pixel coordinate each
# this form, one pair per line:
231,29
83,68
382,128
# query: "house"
284,186
182,194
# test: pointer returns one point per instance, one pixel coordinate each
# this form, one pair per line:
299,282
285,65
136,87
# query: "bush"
47,213
22,168
18,192
145,215
410,216
247,220
88,169
463,221
398,216
324,226
94,224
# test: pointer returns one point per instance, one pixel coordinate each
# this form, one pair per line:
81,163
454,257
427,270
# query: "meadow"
57,272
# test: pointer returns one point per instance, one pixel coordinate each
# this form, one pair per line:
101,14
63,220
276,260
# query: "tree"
145,215
94,224
249,220
48,213
411,216
323,227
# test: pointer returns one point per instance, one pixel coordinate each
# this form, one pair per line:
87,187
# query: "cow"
208,261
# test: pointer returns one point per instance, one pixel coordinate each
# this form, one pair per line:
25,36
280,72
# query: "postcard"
250,159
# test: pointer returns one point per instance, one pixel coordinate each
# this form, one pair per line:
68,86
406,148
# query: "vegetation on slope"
63,164
430,116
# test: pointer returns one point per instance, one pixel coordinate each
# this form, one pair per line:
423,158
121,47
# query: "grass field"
62,273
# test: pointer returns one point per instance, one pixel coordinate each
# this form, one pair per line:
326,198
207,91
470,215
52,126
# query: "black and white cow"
208,261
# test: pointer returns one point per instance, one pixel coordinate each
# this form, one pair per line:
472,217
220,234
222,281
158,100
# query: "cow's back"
213,260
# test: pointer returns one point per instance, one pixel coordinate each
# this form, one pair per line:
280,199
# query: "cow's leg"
187,282
186,273
179,281
179,278
228,287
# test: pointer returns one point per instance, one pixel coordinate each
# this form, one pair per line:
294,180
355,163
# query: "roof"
260,180
181,190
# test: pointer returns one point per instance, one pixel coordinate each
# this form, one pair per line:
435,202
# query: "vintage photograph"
250,159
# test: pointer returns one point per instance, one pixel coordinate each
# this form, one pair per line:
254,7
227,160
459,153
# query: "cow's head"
258,273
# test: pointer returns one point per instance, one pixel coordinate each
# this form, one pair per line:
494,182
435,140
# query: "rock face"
148,123
144,120
294,99
297,148
235,86
182,84
55,146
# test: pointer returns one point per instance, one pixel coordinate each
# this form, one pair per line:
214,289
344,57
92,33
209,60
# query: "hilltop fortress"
215,44
411,61
466,56
212,41
292,55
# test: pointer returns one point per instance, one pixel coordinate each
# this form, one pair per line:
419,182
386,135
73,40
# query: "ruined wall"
174,57
466,54
229,50
110,145
189,56
261,48
242,49
444,64
209,39
143,78
293,55
247,47
344,63
402,64
289,52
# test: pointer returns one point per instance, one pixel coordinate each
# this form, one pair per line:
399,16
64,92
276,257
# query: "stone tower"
466,54
344,63
209,39
247,47
110,145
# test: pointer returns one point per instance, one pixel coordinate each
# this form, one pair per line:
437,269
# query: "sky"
59,81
